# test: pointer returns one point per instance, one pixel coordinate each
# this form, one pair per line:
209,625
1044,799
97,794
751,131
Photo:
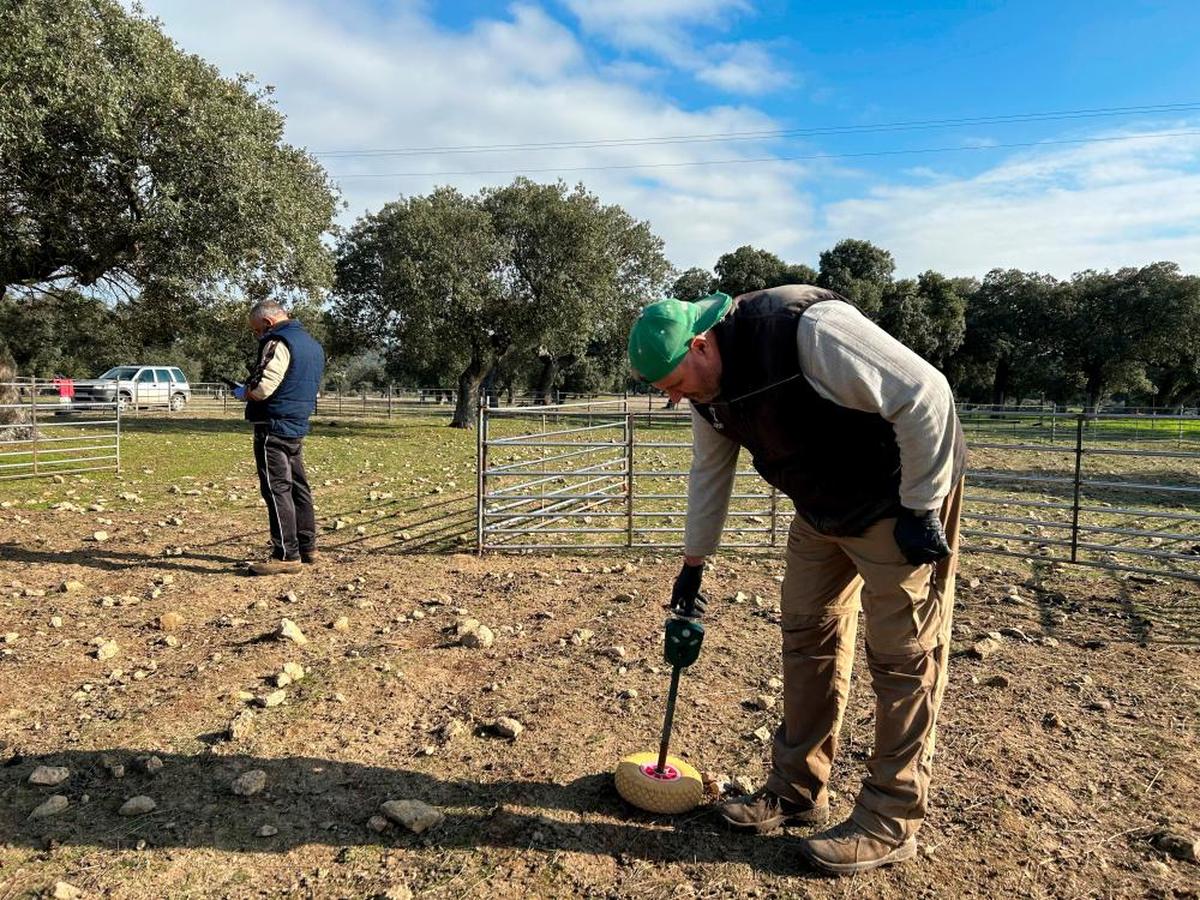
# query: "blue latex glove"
239,392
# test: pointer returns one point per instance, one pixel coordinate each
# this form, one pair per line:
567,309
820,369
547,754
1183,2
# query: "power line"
768,159
768,134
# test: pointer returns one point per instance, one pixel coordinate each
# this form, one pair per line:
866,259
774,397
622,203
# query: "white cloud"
1050,209
349,80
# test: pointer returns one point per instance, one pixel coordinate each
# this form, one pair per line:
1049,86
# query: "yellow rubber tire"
679,789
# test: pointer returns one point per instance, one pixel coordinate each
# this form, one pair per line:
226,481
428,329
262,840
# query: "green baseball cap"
659,339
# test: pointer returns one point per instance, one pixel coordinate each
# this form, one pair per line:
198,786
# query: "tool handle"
666,732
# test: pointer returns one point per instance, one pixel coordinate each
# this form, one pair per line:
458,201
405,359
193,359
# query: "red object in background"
66,387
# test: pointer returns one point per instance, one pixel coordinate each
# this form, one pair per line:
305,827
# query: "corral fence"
1112,491
44,432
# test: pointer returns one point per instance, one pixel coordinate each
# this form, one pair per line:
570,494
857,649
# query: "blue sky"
362,75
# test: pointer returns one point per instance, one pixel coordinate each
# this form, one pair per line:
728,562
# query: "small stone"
581,636
398,892
11,637
507,727
137,806
774,684
51,807
56,622
623,598
71,586
249,783
762,734
99,536
240,726
290,631
998,681
268,831
148,765
479,639
273,699
289,597
106,650
413,814
1181,846
341,623
378,824
1048,641
763,702
170,621
64,890
282,680
743,784
49,776
629,694
1101,705
1052,720
984,648
294,670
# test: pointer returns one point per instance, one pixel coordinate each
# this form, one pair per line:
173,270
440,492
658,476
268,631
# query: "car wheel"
178,402
123,402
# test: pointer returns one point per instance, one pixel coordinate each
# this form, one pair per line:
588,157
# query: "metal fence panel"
1114,490
45,433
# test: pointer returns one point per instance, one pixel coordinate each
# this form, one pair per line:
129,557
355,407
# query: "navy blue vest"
287,410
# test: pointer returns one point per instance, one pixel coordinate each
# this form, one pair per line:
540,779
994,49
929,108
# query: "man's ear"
700,342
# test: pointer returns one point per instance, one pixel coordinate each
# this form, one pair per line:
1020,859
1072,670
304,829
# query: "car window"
147,377
119,372
179,376
164,376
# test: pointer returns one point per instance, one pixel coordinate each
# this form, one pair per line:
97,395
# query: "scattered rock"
763,702
170,621
1101,705
249,783
51,807
268,831
106,650
763,734
64,890
413,814
137,806
743,784
478,639
341,623
273,699
1052,720
71,586
581,636
290,631
289,597
148,765
56,622
398,892
378,824
99,536
294,670
1180,846
506,727
984,648
629,694
49,776
240,726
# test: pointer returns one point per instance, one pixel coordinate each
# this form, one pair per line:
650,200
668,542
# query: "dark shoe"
310,557
765,811
275,567
846,849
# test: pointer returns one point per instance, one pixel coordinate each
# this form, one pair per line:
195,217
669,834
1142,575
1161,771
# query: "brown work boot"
310,557
275,567
845,849
764,811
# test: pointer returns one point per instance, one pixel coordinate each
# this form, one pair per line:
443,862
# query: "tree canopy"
125,162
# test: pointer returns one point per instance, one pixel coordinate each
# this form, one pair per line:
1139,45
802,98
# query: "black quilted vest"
839,466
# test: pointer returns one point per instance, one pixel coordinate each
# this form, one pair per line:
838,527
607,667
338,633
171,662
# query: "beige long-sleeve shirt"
272,366
851,361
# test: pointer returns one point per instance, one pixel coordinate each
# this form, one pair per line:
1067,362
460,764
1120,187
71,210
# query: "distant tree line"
148,200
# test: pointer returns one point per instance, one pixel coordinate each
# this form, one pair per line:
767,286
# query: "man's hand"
686,599
920,536
239,392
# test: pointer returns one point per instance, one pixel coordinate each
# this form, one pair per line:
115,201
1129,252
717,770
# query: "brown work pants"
908,611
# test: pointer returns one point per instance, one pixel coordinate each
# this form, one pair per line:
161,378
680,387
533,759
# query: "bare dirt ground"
1060,755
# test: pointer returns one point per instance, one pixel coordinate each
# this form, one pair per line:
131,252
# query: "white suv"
138,386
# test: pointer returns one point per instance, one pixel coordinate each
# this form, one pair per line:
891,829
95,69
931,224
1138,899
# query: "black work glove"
686,599
920,537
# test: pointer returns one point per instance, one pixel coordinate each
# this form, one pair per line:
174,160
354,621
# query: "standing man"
862,435
280,395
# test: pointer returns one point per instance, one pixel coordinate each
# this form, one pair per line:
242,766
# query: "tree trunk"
1000,381
545,382
10,396
1095,392
468,393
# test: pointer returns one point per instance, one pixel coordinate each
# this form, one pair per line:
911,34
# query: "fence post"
629,479
481,477
1078,486
117,410
1180,444
339,400
33,426
389,401
774,512
364,403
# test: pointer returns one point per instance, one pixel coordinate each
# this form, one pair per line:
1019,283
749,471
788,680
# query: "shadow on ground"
313,800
